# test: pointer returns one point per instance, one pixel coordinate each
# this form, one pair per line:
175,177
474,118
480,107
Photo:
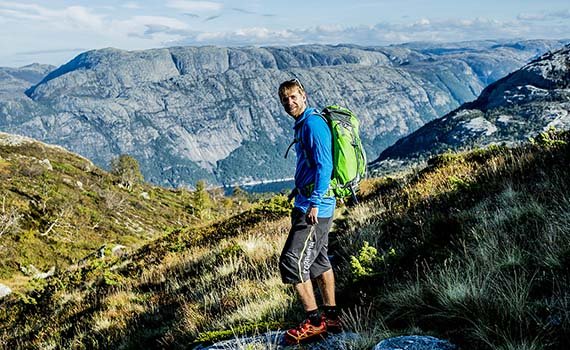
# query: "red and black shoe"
306,332
333,324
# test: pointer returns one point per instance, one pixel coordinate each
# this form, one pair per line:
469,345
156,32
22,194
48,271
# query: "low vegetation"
473,248
191,285
57,209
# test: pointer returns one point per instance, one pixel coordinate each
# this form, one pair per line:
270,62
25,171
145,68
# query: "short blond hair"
290,84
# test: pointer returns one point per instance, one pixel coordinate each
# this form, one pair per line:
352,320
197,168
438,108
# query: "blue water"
273,187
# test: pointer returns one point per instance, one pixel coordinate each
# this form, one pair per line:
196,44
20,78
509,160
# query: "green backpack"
349,157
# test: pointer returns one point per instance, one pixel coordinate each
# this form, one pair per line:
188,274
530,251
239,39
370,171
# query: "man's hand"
311,217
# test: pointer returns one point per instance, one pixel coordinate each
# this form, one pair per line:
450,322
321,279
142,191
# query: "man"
304,255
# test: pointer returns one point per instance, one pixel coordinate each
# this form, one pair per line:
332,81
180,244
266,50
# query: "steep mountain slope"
57,207
207,112
514,108
15,106
19,79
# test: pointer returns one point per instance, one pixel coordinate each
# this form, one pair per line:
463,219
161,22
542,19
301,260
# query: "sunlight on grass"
74,297
369,327
361,214
481,257
257,248
119,310
258,309
230,266
101,322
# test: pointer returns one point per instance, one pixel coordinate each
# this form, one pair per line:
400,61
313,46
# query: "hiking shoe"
333,325
306,332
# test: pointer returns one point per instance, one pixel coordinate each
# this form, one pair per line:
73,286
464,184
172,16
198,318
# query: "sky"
55,31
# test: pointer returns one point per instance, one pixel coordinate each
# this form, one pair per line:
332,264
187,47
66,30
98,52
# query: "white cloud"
73,17
31,26
156,20
155,29
246,36
195,6
52,33
382,33
83,19
423,22
17,11
563,14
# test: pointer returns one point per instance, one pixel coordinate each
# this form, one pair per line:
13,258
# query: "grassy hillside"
188,286
474,248
56,208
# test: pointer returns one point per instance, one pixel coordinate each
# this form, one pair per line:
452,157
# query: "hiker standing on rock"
304,256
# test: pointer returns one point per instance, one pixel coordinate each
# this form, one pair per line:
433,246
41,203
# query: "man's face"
294,101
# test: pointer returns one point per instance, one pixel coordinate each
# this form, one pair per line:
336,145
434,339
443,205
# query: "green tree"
127,169
202,200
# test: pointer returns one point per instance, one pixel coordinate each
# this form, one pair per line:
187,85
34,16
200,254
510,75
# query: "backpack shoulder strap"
290,145
299,137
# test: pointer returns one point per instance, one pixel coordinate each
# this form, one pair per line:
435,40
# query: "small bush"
369,262
548,139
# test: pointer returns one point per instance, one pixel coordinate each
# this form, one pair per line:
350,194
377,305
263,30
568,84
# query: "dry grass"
481,241
480,255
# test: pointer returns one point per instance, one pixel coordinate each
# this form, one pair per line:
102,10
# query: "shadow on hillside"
181,302
429,232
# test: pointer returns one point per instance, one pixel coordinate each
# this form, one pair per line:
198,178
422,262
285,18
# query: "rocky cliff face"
15,106
14,80
190,113
530,100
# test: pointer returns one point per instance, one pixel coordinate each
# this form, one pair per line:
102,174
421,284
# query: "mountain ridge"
520,105
189,113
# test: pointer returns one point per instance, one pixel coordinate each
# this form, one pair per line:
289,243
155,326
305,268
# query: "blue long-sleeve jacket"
314,163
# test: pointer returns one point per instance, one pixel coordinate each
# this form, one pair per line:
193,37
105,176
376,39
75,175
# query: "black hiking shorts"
304,255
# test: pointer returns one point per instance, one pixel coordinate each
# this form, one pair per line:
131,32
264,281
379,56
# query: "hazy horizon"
33,32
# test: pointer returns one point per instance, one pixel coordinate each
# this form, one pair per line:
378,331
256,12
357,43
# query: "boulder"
275,340
4,291
46,164
119,250
414,342
33,271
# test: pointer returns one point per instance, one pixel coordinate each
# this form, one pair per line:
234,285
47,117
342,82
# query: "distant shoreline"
262,186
